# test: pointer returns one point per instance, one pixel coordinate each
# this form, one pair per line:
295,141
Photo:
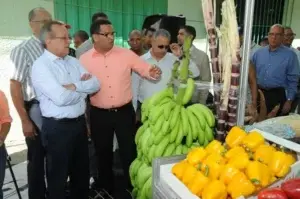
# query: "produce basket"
167,186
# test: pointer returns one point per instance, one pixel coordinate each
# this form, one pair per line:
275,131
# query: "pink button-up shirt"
113,70
4,110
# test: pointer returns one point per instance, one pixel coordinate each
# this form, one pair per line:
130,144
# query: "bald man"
135,42
277,71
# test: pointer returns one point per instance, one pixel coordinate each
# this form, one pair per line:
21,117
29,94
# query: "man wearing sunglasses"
288,39
159,56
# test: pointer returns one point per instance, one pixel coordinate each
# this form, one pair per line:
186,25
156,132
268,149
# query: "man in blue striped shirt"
277,71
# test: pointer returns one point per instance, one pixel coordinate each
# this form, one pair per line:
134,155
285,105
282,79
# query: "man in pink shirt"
5,121
111,107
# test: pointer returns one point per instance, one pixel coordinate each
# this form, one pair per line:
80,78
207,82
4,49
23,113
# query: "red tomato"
292,188
272,193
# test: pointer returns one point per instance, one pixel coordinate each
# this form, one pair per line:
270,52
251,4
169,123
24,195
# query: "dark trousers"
35,155
104,122
274,97
66,147
2,168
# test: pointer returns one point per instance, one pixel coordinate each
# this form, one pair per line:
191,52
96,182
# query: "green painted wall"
125,15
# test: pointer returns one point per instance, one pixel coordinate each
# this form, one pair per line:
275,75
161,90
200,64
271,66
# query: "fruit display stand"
167,186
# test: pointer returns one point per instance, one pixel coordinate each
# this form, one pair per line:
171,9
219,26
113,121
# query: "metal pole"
244,70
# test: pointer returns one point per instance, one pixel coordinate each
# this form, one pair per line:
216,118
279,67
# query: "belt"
76,119
117,109
270,89
33,101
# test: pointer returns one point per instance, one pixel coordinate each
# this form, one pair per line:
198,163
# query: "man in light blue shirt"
277,72
62,85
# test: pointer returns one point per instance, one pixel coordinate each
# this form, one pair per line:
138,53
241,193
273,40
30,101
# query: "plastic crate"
167,186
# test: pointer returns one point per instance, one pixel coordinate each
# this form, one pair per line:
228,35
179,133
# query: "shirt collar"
36,39
53,57
148,55
96,53
277,49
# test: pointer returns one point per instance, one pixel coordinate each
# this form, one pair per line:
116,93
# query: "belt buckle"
113,110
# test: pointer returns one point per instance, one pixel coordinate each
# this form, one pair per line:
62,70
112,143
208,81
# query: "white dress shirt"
49,73
144,88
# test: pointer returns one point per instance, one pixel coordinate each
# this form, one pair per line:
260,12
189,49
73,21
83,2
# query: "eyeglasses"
112,34
271,34
41,21
163,47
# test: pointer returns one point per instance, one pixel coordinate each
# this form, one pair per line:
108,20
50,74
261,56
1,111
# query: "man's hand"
85,77
176,49
71,87
155,72
28,128
286,107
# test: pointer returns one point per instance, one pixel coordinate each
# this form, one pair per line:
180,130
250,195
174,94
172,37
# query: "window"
125,15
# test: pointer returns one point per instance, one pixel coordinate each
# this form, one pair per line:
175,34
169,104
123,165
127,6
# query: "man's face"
289,37
160,46
181,35
40,18
148,39
77,41
275,37
105,37
58,41
135,41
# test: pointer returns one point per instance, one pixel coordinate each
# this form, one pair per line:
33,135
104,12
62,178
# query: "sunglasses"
163,47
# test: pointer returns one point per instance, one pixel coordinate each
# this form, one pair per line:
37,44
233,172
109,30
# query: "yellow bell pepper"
252,141
240,185
197,155
234,151
281,163
214,163
264,153
215,147
198,183
188,174
258,173
179,168
228,173
239,161
235,137
214,190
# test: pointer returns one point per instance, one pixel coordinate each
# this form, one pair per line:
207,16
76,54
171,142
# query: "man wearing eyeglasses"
289,37
62,85
24,99
111,108
277,71
159,56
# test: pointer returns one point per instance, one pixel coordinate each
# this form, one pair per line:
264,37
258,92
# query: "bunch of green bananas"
169,128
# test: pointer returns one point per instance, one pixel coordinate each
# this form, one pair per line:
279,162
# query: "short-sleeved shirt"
22,58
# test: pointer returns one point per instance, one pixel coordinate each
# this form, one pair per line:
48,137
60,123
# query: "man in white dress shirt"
158,55
62,85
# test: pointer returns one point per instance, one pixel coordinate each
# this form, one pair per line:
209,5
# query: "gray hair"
46,30
32,12
162,33
279,26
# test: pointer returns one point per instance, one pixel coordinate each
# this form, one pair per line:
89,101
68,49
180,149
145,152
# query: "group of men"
62,100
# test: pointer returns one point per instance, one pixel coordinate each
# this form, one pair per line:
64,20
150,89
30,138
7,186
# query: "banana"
158,137
133,170
209,134
145,137
161,147
158,97
207,113
185,120
150,140
164,101
175,116
139,133
158,124
193,123
165,127
168,108
201,137
205,143
189,137
151,153
174,132
155,113
169,150
185,149
143,175
200,117
188,91
149,188
180,136
178,150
